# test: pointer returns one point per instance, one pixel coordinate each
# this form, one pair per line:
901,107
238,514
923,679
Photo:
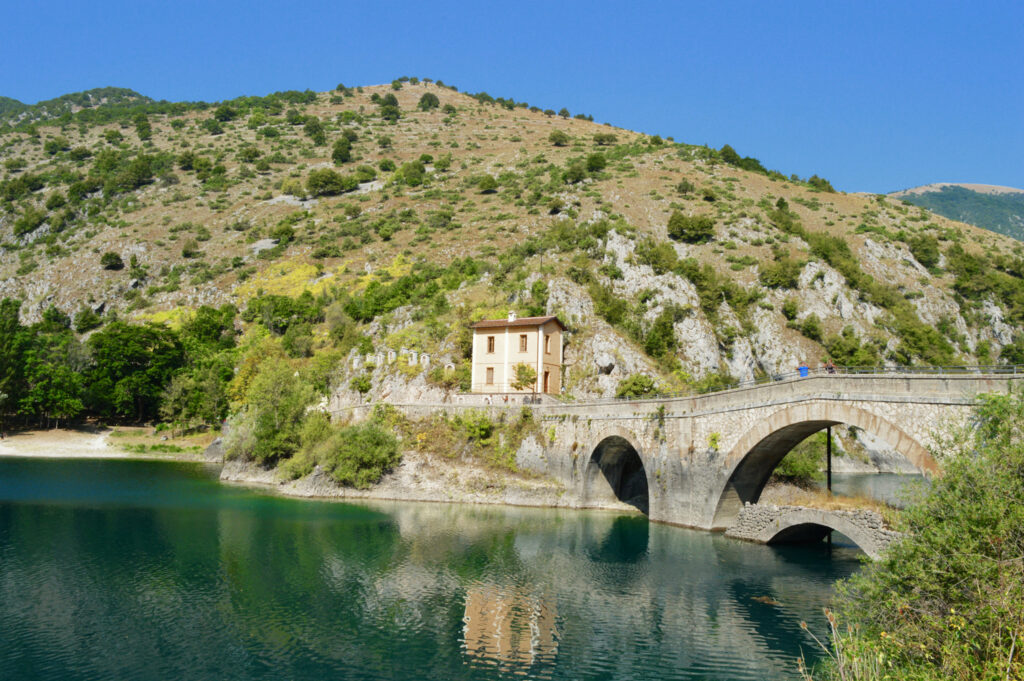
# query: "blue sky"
875,96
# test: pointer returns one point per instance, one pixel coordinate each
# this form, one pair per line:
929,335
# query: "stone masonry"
770,524
701,458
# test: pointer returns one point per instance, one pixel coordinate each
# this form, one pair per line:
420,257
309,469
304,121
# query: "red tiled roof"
521,321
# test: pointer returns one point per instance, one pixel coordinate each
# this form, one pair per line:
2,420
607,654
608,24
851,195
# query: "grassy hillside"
349,222
999,211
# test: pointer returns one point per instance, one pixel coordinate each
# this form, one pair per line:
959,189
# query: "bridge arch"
615,470
800,526
749,464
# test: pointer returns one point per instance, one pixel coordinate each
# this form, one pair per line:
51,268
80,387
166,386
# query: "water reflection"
192,579
509,626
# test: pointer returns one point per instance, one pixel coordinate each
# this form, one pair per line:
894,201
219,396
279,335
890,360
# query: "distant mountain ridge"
13,111
996,208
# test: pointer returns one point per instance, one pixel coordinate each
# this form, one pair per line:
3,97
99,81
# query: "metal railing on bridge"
832,370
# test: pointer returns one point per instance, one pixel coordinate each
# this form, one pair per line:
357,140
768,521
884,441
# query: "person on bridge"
830,367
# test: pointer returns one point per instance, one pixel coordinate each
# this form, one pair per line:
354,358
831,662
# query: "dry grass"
791,495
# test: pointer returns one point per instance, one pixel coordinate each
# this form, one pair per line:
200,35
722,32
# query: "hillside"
110,99
999,209
407,210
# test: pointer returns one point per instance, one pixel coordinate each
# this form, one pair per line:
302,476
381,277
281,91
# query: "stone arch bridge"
696,461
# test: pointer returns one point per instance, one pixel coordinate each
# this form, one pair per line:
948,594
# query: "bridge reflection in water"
158,557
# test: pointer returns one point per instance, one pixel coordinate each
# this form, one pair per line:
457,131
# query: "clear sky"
874,96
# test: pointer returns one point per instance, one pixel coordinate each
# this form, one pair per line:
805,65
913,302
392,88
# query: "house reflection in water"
508,626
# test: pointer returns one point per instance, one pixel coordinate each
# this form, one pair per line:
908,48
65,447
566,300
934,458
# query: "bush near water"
947,602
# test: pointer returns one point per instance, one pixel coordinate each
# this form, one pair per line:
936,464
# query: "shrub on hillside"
783,273
111,261
692,229
326,182
428,101
925,249
487,185
635,385
558,138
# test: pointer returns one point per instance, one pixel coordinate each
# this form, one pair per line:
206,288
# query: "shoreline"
64,443
420,477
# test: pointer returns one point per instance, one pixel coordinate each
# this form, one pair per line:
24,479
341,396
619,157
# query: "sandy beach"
61,444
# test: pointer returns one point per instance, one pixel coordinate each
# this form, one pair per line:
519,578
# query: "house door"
547,376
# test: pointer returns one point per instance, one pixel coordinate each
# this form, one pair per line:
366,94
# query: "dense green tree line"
49,374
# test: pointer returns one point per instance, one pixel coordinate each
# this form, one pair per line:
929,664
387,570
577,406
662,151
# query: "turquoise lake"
154,570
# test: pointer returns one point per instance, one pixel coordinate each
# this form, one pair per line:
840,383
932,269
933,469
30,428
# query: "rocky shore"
421,477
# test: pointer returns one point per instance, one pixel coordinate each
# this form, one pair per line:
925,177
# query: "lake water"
154,570
892,488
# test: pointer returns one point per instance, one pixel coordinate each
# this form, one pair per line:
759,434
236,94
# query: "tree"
224,113
14,339
190,249
428,101
314,129
847,350
86,320
111,261
524,378
661,338
212,126
142,127
53,382
558,138
693,229
274,406
131,366
342,152
412,173
604,139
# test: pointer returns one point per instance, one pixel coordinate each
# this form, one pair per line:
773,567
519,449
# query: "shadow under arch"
627,541
750,463
615,471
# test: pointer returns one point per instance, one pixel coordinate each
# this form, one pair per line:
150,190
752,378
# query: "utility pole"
828,471
828,459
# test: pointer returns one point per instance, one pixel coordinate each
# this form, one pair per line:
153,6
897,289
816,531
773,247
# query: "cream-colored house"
500,345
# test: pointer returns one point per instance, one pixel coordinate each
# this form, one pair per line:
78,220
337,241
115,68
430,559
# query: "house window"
547,345
522,343
490,344
490,374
